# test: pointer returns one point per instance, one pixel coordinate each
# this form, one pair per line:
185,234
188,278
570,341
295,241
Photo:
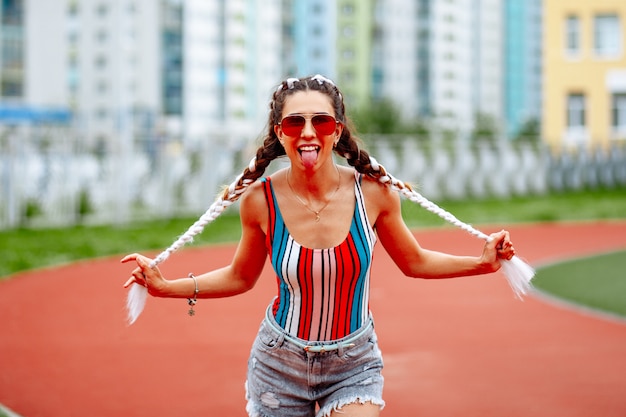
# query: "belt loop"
281,339
340,349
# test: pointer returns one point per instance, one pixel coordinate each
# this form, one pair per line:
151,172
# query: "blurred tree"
530,131
384,117
485,128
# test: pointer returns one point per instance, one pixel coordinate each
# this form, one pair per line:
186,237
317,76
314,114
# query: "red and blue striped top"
323,294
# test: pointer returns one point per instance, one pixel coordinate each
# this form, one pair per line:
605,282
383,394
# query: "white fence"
49,179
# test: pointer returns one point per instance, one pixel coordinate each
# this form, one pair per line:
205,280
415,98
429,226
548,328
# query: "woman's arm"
238,277
415,261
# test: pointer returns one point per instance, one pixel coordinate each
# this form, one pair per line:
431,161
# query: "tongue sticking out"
308,158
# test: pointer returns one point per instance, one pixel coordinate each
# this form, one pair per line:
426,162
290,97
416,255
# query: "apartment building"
354,46
136,69
12,60
200,70
584,72
487,79
25,99
522,64
400,55
441,59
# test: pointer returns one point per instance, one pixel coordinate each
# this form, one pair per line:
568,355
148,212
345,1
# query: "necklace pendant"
317,218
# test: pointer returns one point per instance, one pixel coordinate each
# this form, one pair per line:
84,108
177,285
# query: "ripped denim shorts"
290,377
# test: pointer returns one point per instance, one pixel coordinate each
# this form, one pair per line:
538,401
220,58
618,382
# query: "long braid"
518,273
255,169
271,149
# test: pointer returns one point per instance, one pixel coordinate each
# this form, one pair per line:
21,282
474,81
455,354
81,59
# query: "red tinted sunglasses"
292,125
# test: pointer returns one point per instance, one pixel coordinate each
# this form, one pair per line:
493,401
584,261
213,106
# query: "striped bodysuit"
323,294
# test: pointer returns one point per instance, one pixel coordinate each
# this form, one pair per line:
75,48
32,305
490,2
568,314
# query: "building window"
607,35
72,8
572,35
347,76
618,114
100,62
102,87
11,88
102,36
101,114
347,54
102,9
576,111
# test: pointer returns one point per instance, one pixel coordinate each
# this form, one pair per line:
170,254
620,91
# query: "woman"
316,348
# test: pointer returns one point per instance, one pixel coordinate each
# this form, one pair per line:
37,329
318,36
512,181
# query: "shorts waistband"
318,346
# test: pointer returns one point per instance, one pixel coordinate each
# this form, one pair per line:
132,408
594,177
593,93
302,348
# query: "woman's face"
312,145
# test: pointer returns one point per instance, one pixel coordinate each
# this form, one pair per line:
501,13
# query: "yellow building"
584,86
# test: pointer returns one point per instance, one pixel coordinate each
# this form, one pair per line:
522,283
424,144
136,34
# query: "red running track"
452,348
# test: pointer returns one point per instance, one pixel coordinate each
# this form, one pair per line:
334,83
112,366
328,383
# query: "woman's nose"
308,130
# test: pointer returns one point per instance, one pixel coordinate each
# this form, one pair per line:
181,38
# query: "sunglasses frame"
311,117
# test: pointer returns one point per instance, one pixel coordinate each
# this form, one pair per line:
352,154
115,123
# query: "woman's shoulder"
372,185
253,204
254,197
379,197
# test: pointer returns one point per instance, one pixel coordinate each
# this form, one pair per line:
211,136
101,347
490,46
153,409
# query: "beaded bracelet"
192,301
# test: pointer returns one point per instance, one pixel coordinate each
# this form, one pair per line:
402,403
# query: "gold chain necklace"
316,212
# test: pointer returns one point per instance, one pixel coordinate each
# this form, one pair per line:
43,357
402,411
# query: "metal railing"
50,178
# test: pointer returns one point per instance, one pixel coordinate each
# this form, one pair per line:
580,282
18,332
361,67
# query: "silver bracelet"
192,301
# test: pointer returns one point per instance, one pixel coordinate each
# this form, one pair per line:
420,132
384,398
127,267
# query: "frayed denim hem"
336,405
250,406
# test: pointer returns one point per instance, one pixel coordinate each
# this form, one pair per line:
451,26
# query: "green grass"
598,282
575,206
23,249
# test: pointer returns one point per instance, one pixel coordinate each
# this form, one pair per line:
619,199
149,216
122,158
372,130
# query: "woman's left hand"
498,247
144,274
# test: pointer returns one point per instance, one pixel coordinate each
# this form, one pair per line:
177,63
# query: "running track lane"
452,348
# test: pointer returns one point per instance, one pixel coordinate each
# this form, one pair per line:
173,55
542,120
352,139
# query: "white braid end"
136,301
519,275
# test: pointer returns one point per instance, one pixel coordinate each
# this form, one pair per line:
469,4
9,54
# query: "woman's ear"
339,131
279,132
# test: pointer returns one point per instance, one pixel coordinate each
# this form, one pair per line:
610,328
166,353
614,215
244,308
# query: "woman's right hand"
145,275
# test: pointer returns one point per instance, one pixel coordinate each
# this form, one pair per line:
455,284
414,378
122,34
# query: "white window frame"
572,41
607,36
576,110
618,115
576,119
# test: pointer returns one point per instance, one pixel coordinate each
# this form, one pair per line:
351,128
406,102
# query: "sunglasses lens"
292,125
324,124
